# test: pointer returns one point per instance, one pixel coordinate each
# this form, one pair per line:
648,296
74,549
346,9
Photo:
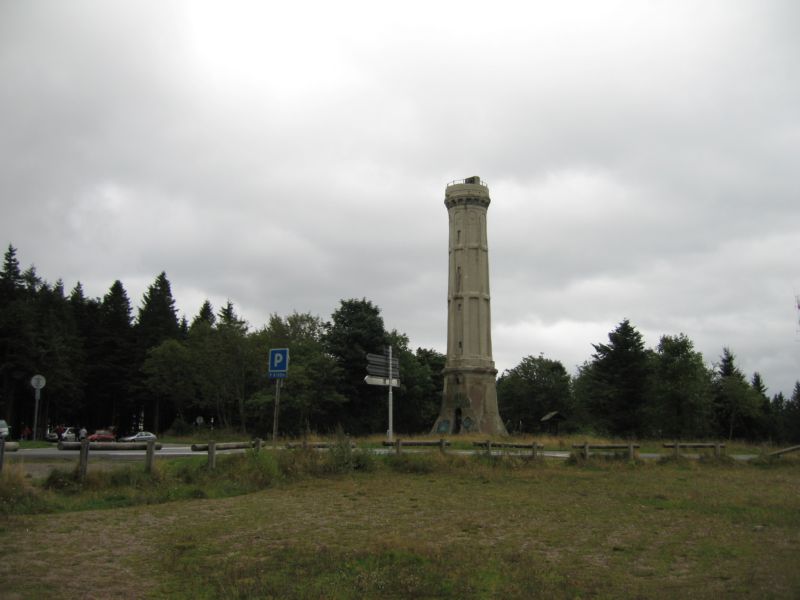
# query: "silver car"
142,436
5,430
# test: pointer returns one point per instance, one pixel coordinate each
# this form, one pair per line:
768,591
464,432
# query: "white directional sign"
372,380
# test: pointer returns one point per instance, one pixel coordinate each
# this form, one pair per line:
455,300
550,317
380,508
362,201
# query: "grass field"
416,527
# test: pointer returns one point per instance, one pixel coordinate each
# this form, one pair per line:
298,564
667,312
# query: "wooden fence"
489,444
677,446
399,444
586,448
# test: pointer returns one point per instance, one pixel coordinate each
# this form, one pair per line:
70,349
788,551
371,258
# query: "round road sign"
38,382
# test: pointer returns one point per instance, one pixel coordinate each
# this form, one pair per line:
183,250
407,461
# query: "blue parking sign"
278,363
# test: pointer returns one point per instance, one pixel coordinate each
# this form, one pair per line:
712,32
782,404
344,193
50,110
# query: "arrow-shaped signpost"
384,370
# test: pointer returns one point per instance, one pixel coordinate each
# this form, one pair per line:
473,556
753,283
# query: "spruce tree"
114,366
619,372
157,321
206,315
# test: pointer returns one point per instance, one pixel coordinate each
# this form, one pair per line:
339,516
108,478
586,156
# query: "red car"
102,435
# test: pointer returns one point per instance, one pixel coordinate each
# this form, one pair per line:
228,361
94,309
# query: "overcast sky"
642,159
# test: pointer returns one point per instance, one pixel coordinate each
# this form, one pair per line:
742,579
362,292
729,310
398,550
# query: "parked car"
5,430
70,434
102,435
142,436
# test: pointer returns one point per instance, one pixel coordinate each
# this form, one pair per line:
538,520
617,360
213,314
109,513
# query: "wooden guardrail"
399,444
107,445
212,447
586,447
784,451
85,446
228,445
489,444
677,446
314,445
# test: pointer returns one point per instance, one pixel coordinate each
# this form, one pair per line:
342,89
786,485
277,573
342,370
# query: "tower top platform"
474,180
467,191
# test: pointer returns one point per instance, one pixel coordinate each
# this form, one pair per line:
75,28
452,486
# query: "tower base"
469,403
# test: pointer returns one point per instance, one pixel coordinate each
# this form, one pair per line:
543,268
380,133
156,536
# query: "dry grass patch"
454,528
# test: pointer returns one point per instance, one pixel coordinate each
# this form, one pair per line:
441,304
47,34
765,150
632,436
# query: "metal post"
391,425
275,419
37,395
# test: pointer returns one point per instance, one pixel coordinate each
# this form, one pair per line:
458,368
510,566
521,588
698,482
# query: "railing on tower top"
472,180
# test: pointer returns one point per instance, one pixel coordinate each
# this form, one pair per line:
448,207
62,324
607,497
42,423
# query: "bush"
300,463
65,481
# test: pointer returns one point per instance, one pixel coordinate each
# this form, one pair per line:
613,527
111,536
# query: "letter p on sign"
278,363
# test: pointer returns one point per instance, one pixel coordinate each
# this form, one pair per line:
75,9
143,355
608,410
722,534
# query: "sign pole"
278,369
391,426
37,383
275,419
37,394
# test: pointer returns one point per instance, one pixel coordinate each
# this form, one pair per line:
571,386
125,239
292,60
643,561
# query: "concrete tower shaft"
469,398
469,335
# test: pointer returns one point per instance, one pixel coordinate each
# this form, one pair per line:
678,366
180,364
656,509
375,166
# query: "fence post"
441,445
212,455
716,450
631,455
489,447
83,464
2,452
586,450
151,452
533,449
257,445
398,445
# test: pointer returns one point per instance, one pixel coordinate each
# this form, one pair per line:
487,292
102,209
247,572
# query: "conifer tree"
736,403
158,318
206,315
114,360
17,337
619,376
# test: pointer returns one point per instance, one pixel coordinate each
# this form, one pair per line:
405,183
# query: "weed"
17,494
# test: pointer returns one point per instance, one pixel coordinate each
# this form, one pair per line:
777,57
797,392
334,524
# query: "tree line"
628,390
107,364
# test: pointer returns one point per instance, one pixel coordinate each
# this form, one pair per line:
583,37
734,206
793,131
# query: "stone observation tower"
469,399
